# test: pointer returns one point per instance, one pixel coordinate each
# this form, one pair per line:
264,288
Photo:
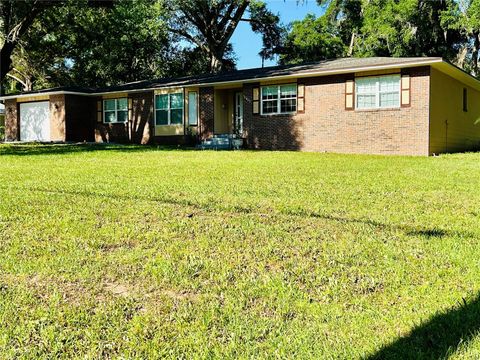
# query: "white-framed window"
115,110
279,99
377,92
169,109
192,108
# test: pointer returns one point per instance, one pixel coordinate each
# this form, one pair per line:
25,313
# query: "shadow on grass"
408,230
438,337
434,233
55,149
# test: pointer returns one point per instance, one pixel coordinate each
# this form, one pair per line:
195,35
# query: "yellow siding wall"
452,129
170,130
223,102
33,98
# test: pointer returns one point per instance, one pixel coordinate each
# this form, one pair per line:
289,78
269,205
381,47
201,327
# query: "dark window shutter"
99,111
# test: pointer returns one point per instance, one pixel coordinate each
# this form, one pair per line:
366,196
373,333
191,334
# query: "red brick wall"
79,118
139,128
141,122
207,111
327,126
57,117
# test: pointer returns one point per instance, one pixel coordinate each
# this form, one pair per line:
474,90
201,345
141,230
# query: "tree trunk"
352,43
6,59
476,48
216,60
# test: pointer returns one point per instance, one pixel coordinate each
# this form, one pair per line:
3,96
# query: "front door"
239,113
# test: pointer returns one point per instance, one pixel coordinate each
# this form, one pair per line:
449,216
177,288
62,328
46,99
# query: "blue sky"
247,44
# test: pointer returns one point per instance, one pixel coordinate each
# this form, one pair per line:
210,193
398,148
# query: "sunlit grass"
141,252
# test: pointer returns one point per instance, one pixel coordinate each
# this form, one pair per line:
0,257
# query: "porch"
227,120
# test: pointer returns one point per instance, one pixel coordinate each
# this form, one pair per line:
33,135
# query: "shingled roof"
319,68
271,71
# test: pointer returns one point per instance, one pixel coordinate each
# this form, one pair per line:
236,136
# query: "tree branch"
234,23
17,79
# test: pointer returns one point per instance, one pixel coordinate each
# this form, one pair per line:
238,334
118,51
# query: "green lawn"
138,252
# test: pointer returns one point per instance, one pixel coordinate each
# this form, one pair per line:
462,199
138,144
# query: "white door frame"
239,112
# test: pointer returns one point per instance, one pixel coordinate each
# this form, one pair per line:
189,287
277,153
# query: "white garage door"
35,121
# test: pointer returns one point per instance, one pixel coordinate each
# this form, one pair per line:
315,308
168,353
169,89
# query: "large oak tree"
209,25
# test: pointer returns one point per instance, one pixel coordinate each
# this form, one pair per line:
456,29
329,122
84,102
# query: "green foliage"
312,39
266,23
386,28
78,44
135,252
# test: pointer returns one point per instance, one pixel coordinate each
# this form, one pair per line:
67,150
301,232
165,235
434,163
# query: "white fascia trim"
275,77
327,72
43,94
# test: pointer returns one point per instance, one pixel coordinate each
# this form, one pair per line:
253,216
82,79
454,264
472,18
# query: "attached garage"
35,121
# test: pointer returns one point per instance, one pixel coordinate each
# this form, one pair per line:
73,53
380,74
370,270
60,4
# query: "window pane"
269,107
176,116
366,101
161,117
366,85
122,115
288,91
389,83
390,99
122,104
109,104
161,102
269,92
288,105
192,108
110,116
176,101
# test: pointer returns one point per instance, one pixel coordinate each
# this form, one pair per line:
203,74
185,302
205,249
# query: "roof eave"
458,74
427,62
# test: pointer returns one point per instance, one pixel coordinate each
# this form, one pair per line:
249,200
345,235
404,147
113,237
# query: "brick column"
142,117
57,117
12,130
207,111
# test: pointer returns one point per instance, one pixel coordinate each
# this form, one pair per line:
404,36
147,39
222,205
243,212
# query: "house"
402,106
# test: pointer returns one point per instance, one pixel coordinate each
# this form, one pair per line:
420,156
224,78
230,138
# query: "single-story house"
378,105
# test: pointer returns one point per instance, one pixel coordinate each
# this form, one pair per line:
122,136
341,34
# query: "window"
192,108
465,100
115,110
378,92
169,109
279,99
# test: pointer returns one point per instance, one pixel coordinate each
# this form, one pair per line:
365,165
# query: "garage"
35,121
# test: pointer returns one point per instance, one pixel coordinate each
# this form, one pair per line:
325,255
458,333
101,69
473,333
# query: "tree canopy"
96,43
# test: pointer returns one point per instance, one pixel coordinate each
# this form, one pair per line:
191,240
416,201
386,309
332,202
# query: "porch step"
222,142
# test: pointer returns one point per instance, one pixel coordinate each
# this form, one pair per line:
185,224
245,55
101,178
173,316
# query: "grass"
138,252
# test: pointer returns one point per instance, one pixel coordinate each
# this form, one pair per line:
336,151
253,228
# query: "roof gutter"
250,80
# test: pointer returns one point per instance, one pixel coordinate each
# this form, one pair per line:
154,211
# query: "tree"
209,25
16,17
383,28
85,45
464,17
312,39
